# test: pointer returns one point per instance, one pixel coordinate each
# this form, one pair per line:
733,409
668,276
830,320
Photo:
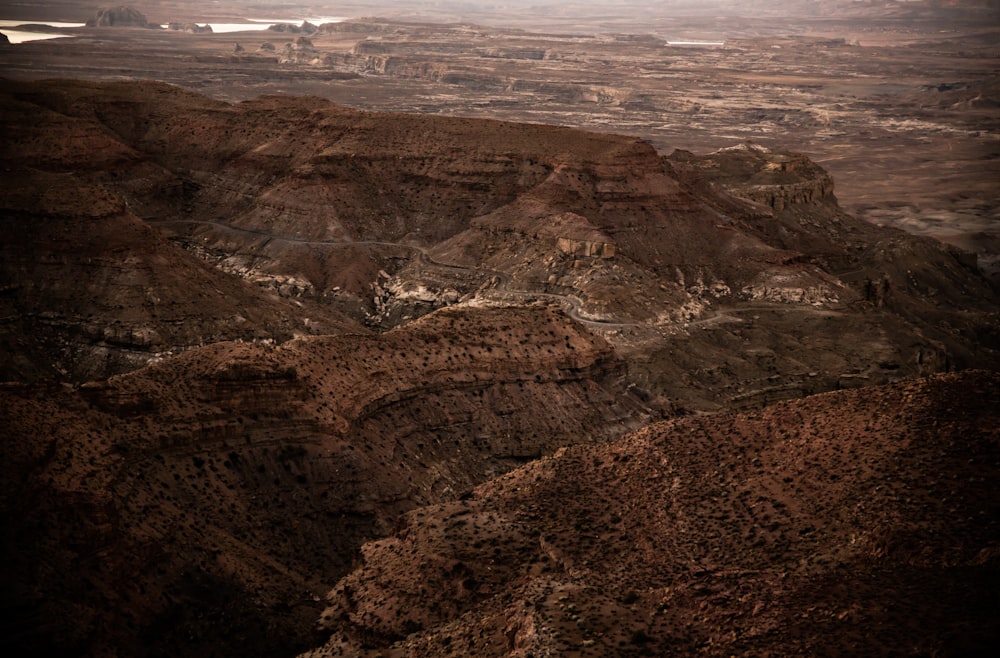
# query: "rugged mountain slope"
86,288
732,278
204,504
850,523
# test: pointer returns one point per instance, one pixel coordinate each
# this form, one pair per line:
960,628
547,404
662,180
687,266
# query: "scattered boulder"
305,28
193,28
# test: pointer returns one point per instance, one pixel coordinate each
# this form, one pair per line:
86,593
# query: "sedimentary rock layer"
206,503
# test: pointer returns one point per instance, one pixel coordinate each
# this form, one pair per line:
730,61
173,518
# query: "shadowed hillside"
203,505
254,350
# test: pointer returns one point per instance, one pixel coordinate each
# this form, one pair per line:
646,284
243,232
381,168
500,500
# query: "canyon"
356,221
896,99
352,342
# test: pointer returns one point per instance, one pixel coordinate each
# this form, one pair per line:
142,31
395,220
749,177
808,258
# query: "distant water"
22,36
315,20
252,24
219,28
19,36
696,43
7,23
259,24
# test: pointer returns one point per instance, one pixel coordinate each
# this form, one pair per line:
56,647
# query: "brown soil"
203,505
852,523
244,335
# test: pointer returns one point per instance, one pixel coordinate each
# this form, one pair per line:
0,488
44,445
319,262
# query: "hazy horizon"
512,11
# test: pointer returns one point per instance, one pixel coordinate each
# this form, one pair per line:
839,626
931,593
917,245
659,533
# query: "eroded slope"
87,289
729,278
206,503
849,523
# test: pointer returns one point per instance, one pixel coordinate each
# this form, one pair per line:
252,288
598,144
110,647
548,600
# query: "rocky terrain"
896,99
281,375
89,289
119,17
524,288
730,278
205,504
851,523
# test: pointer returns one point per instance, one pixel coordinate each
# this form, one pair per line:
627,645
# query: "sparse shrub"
640,638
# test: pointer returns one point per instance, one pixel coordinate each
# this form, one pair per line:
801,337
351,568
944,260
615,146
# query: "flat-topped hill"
384,217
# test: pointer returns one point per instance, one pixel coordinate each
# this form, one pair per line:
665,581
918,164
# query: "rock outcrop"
776,180
302,51
89,289
206,503
203,503
679,261
119,17
305,28
193,28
